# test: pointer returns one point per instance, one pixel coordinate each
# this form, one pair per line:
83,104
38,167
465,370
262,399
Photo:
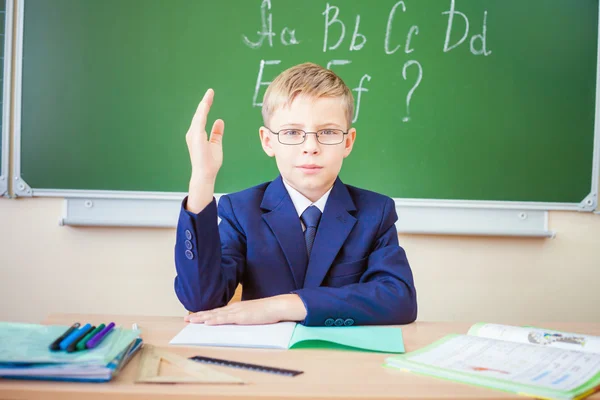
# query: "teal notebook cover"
366,338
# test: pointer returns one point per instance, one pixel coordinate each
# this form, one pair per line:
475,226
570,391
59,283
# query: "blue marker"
74,336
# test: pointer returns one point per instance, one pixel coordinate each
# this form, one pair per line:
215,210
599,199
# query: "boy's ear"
349,141
266,141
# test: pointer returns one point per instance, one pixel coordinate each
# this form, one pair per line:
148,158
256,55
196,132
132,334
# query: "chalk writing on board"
481,37
412,90
414,30
331,18
259,81
288,36
360,89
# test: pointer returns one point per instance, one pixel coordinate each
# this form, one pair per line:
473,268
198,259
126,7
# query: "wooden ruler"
149,369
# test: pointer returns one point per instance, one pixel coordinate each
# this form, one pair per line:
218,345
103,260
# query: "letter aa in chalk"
288,36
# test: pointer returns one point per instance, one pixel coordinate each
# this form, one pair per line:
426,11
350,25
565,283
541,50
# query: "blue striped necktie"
310,217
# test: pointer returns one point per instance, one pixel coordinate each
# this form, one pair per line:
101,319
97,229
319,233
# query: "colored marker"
74,336
93,342
55,346
81,344
73,346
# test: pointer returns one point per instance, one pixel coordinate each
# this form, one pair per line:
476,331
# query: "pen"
81,344
73,345
74,336
93,342
55,345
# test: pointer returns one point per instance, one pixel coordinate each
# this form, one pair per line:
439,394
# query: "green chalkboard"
502,112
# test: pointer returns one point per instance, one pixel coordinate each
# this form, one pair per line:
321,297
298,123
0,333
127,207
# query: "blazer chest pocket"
346,273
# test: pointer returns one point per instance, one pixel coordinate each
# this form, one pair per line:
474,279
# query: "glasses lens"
291,136
331,136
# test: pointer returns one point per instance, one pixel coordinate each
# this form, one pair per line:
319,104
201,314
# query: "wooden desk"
327,374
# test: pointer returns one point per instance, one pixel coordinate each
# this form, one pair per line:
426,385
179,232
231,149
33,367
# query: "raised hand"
206,155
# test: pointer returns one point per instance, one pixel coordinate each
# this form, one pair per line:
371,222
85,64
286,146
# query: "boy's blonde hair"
311,80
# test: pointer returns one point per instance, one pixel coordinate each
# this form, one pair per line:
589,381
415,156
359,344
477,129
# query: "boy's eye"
291,132
329,132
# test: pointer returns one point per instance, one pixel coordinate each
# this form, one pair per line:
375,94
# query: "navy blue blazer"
357,274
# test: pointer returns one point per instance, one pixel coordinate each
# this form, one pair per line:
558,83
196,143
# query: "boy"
305,247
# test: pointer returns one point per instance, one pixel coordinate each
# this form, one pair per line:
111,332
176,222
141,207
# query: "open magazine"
524,360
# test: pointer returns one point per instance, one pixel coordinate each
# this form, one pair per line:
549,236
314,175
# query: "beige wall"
46,268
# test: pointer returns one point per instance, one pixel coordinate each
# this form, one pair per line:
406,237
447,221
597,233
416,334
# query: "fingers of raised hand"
198,125
216,134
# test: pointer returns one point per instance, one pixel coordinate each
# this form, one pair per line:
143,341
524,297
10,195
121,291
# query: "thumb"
216,134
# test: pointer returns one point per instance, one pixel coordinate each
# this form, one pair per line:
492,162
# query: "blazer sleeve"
210,256
385,294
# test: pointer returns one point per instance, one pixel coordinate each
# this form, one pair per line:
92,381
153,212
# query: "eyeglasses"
298,136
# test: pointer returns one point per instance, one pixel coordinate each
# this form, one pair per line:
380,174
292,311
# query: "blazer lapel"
283,220
334,227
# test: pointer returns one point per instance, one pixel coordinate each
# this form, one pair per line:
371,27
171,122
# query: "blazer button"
188,234
188,245
189,255
329,322
349,322
339,322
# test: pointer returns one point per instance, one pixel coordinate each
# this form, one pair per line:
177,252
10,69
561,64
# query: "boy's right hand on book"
206,155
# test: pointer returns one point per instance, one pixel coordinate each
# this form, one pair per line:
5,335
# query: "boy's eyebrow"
320,126
293,124
329,124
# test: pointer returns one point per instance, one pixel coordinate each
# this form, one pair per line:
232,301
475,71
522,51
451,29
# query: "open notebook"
287,335
523,360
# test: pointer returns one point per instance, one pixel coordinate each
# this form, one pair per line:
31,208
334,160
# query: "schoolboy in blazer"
305,246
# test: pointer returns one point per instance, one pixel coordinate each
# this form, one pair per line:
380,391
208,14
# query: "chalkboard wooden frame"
83,207
6,106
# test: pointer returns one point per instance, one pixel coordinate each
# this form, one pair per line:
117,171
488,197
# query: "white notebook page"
274,336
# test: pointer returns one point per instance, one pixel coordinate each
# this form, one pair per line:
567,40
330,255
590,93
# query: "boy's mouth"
310,168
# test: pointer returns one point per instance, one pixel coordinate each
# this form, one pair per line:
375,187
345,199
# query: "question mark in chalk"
410,93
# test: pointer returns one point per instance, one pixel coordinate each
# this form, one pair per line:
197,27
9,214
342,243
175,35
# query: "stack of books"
31,351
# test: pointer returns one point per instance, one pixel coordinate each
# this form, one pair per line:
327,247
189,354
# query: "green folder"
363,338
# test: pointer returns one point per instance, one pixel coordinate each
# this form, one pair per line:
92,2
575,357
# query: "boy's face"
310,167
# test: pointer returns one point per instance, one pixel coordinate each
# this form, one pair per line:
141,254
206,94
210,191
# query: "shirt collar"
301,203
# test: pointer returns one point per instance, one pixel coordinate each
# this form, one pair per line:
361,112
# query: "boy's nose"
311,144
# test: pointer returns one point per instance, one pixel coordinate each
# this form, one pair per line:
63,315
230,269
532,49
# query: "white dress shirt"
301,203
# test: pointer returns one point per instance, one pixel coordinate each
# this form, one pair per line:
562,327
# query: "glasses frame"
306,134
